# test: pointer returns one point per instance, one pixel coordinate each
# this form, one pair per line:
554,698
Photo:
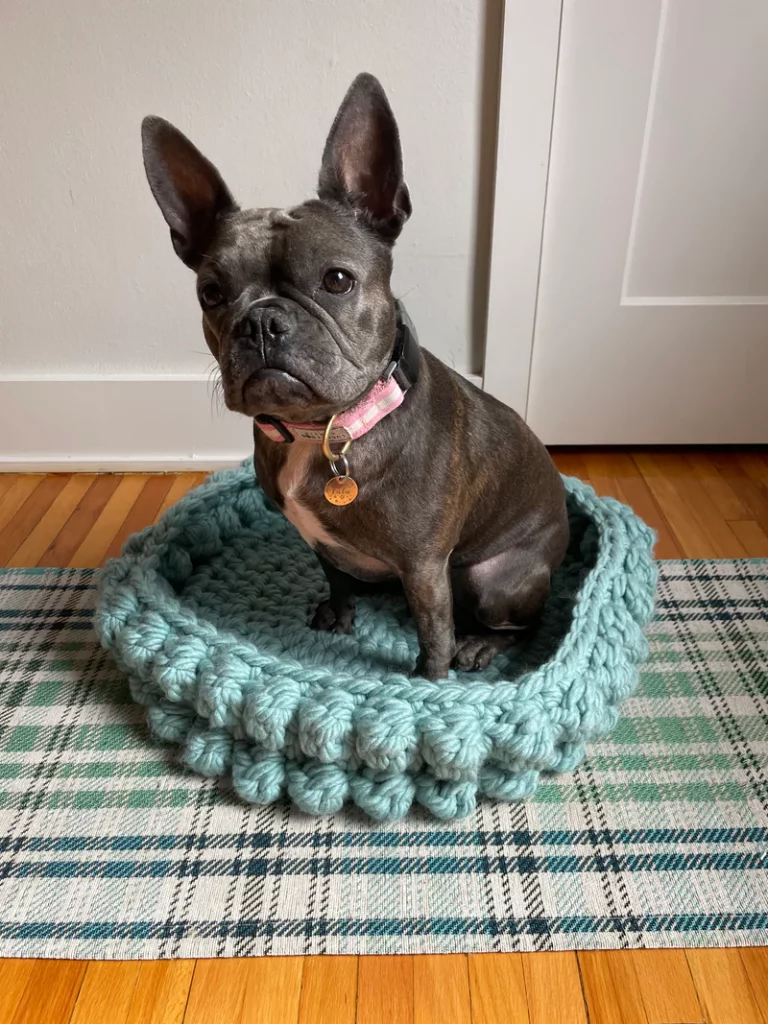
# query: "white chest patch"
290,481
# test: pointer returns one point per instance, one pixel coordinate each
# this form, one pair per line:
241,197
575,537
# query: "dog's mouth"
271,374
273,391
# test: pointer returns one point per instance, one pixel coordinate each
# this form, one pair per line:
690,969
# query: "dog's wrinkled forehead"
297,243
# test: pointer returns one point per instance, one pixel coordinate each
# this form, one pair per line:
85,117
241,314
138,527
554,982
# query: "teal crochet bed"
207,614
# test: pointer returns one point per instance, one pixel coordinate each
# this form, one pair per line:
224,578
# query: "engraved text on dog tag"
341,490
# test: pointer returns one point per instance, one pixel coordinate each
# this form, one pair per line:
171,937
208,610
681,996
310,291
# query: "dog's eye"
211,296
338,282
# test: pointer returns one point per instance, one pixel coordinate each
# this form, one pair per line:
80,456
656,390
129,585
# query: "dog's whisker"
217,399
216,388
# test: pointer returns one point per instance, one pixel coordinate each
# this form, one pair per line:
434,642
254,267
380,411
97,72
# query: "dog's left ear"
362,163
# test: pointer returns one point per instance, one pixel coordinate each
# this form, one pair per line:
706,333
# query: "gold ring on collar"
333,456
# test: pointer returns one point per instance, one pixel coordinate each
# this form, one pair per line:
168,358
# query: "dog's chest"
292,481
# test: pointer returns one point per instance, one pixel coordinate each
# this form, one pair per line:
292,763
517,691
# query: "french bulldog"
442,488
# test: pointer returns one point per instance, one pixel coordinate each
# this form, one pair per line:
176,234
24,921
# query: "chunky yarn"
207,614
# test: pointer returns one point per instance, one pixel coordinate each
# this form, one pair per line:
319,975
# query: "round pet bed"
207,614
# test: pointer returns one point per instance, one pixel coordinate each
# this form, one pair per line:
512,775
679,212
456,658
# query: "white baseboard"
102,424
149,423
137,464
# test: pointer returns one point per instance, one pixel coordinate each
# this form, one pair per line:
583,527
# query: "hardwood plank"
666,986
273,990
601,467
570,463
719,491
611,988
756,468
182,483
16,495
497,989
79,524
553,988
637,495
749,493
217,992
142,513
328,990
7,480
385,990
18,528
96,543
161,992
756,965
722,538
41,537
14,975
723,987
106,992
441,989
690,535
752,537
51,992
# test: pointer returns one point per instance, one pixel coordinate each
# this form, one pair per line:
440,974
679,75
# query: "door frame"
529,58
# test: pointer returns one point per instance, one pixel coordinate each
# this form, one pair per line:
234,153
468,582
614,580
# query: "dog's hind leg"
497,598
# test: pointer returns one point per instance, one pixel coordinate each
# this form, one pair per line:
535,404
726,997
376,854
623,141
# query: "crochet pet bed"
207,611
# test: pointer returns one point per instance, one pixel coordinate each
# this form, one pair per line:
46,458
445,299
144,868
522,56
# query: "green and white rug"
109,850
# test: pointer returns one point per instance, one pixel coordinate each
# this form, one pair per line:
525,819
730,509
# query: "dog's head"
297,306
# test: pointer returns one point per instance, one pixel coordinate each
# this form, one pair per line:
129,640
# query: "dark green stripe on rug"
109,850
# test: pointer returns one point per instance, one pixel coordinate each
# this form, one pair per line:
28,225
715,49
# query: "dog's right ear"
189,190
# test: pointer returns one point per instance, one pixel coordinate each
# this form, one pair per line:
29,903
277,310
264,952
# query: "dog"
391,465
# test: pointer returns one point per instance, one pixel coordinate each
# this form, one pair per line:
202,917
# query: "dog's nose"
270,322
276,322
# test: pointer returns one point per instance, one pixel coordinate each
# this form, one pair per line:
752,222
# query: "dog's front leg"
337,613
428,590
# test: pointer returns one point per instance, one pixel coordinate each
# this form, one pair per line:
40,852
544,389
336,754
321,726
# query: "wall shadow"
487,135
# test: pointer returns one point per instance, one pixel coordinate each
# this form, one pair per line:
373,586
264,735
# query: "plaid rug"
109,850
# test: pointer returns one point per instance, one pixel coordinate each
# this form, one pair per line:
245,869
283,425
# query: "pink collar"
384,397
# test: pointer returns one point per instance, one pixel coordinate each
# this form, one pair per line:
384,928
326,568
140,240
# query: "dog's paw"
474,653
326,619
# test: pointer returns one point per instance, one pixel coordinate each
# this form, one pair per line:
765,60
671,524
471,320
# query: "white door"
651,322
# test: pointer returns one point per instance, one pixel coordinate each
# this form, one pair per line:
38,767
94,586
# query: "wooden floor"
703,505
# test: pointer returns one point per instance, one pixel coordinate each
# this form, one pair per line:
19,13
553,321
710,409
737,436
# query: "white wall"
90,284
91,289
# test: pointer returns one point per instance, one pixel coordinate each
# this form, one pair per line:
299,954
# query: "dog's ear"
362,164
189,190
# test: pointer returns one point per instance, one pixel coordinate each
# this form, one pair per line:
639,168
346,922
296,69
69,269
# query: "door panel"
652,315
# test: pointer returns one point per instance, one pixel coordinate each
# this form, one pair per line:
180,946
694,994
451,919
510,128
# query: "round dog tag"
341,490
